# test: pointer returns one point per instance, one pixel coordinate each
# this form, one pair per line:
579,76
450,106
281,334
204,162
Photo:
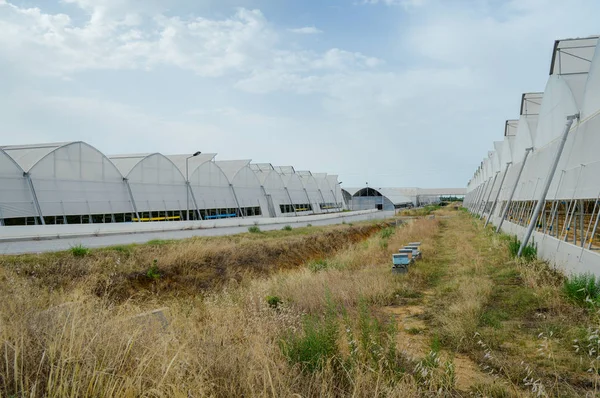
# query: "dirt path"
443,301
491,325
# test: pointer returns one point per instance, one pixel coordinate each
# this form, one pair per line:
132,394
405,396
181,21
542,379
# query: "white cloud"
244,42
307,30
456,74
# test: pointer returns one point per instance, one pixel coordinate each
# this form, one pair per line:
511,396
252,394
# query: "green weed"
158,242
153,272
583,289
274,301
316,345
254,229
529,252
287,228
121,249
322,265
79,251
386,233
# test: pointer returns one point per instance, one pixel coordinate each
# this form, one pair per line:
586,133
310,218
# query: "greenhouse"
278,198
329,203
293,184
543,181
245,186
70,183
158,189
311,187
74,183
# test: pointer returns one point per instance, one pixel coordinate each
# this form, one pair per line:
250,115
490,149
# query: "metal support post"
194,200
133,205
512,192
236,201
544,192
497,195
35,199
489,195
481,200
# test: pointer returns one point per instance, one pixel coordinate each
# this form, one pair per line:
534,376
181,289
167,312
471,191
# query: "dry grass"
488,325
182,267
67,340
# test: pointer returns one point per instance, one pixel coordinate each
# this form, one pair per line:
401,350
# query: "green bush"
287,228
584,289
529,252
317,344
153,272
274,301
80,251
309,225
513,246
254,229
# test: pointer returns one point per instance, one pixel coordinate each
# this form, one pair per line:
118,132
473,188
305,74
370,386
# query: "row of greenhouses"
541,182
73,182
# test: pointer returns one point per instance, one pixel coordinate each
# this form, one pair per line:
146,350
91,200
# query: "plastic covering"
156,182
274,187
72,179
74,183
326,190
294,186
15,196
246,185
313,192
573,88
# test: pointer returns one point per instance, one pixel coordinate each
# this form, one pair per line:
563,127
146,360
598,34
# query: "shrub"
583,288
309,225
273,301
513,246
529,252
153,272
287,228
80,251
254,229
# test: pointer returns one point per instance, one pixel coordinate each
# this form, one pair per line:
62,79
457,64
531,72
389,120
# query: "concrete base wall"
562,255
38,232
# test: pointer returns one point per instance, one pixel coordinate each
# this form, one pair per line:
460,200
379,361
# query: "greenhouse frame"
542,182
74,183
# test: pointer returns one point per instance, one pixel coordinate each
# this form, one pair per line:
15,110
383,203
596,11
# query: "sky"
386,92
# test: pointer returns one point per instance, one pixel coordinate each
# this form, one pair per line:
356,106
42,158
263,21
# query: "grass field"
308,312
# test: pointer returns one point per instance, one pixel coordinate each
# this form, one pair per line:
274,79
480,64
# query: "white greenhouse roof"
262,167
193,162
126,163
285,169
232,167
27,156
